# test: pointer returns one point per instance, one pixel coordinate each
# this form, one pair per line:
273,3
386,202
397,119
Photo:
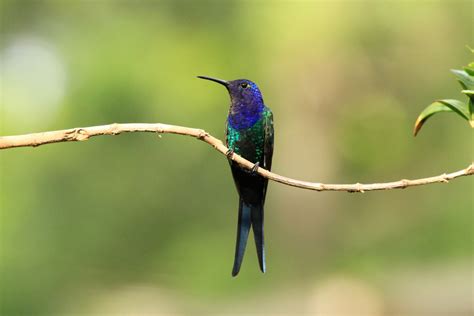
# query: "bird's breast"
248,142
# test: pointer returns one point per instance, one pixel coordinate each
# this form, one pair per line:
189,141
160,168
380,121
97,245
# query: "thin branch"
84,133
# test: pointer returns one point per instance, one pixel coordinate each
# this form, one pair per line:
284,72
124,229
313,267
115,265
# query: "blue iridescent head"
246,101
241,91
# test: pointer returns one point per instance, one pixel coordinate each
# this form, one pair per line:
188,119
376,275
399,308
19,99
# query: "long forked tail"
243,228
257,226
249,215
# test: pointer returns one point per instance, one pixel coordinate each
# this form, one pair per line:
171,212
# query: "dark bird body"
249,133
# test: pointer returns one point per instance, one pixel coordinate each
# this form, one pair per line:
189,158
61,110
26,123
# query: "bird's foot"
254,169
230,154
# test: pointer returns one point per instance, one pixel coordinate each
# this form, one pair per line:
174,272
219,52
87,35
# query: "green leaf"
464,78
469,93
457,106
430,110
436,107
469,69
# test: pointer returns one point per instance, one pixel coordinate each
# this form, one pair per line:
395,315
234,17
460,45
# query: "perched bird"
249,133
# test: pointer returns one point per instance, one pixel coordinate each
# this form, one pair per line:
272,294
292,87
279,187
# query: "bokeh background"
141,225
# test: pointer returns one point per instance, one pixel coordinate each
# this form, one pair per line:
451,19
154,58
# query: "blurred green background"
135,224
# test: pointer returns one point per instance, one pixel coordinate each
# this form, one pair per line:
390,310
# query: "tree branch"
84,133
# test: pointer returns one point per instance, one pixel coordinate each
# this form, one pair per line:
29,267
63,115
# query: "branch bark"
84,133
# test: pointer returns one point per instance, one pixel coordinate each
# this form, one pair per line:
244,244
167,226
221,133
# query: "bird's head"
241,91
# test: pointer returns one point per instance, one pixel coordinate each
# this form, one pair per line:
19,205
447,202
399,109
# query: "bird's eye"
244,85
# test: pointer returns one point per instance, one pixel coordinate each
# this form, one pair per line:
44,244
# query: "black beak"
222,82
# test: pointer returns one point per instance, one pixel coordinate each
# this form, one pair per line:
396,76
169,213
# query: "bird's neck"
244,115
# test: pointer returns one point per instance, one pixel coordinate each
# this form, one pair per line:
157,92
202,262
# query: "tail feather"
242,235
257,226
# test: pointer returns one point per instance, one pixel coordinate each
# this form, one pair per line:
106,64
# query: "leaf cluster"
465,78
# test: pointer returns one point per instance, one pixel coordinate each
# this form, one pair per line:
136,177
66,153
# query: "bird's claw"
230,154
253,172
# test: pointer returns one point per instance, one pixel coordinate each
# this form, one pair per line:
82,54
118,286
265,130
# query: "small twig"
84,133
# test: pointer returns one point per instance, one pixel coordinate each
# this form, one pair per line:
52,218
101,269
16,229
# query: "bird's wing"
257,210
268,143
226,132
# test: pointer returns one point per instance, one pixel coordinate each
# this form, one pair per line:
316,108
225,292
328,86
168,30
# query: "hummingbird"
249,133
